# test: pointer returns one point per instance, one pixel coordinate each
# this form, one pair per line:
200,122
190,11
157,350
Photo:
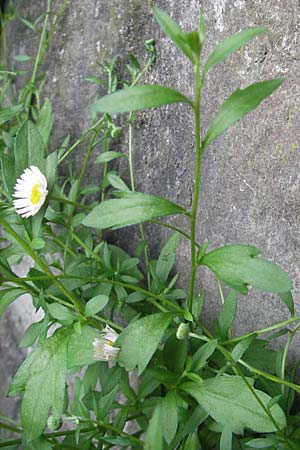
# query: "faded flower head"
103,346
30,192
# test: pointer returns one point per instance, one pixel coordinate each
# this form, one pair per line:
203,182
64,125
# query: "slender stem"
237,371
76,302
193,218
86,247
109,427
82,138
172,227
133,287
130,159
270,377
39,55
68,202
9,427
263,330
285,353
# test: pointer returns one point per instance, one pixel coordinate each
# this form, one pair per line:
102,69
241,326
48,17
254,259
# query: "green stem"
237,371
130,159
285,353
263,330
85,247
133,287
39,55
172,227
82,138
193,218
109,427
76,302
69,202
9,427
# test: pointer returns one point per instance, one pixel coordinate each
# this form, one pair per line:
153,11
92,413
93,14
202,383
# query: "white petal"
31,177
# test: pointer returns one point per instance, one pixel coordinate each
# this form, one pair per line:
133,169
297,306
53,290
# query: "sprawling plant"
162,380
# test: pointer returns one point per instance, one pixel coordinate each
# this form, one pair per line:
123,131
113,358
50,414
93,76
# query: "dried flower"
103,346
30,192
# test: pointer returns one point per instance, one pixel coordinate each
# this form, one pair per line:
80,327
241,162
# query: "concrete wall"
250,181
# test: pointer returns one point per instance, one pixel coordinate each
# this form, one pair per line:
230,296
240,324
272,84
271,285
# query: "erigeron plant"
198,389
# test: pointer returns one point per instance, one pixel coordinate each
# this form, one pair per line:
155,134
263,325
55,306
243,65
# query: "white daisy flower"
30,192
103,346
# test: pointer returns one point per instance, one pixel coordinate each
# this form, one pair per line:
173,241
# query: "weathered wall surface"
250,181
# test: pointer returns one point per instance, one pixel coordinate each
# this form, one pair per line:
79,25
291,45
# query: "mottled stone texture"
250,181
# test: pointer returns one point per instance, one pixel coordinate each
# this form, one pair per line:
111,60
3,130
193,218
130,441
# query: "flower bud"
183,331
53,423
116,132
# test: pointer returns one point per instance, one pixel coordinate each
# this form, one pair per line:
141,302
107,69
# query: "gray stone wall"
250,180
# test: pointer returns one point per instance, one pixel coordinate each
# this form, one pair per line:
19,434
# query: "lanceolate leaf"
232,44
154,436
238,266
173,31
229,401
166,258
9,113
138,97
140,339
42,378
132,208
238,104
29,148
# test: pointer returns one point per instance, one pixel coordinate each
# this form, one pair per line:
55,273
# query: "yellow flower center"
35,194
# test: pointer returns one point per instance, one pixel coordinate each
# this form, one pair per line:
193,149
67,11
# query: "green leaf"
262,442
7,296
287,298
117,182
45,121
166,258
28,24
238,104
238,266
231,44
42,376
22,58
96,304
228,400
80,348
200,358
9,113
108,156
61,313
131,208
154,435
198,416
31,334
138,97
140,339
175,353
106,402
38,444
192,442
242,347
227,314
173,31
226,438
169,416
29,148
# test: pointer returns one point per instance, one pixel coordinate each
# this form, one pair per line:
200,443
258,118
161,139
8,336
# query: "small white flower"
103,346
30,192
